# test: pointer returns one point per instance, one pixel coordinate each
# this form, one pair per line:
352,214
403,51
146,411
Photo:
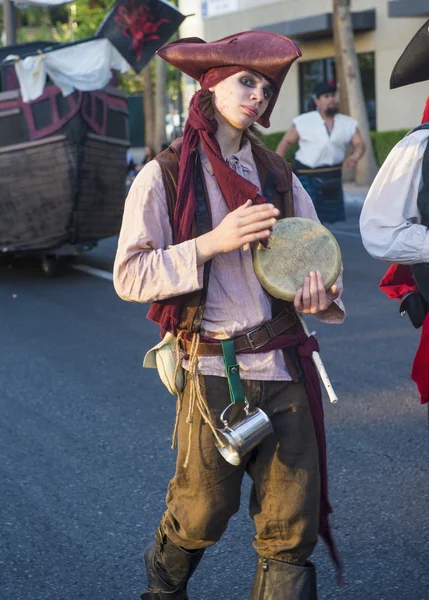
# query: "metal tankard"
241,437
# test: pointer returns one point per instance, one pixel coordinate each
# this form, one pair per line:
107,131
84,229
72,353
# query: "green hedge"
382,142
271,140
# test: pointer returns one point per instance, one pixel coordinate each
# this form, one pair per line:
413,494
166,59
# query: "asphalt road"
85,444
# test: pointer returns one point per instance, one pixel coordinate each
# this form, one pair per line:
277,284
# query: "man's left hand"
351,162
311,296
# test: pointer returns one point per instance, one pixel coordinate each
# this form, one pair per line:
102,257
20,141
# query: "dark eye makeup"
250,80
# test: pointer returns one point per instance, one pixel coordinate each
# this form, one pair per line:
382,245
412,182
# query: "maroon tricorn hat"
413,64
269,54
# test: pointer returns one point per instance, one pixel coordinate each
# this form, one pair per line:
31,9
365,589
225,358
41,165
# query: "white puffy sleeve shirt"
390,220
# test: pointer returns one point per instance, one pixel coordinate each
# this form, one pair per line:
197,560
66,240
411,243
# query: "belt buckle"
249,339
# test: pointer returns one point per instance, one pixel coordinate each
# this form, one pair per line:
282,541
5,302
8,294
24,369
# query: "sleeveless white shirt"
316,146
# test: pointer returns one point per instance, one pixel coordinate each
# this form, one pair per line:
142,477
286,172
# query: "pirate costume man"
395,217
184,245
323,136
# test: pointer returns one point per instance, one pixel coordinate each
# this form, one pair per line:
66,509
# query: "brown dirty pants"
284,502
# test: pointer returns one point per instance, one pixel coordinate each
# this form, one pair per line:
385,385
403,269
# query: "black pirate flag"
138,28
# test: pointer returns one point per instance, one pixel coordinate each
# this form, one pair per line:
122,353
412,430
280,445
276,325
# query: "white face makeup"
242,98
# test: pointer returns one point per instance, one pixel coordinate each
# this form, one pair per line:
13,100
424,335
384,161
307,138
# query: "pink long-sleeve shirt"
148,267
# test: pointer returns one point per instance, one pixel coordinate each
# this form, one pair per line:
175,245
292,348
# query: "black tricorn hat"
413,64
324,87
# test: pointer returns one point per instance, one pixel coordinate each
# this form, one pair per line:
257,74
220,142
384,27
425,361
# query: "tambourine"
296,247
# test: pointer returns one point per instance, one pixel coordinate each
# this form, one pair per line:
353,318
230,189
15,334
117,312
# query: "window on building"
313,71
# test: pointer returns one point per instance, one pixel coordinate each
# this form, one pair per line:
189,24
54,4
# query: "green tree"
84,18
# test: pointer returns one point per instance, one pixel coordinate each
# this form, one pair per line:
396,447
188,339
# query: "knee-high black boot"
169,568
276,580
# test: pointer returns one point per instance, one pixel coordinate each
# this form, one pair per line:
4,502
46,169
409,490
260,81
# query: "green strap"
232,371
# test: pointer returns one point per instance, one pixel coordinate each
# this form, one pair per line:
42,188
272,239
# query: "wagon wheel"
50,266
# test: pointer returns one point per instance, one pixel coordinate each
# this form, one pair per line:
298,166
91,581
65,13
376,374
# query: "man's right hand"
242,226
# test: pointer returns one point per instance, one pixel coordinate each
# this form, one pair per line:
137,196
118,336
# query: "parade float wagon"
64,133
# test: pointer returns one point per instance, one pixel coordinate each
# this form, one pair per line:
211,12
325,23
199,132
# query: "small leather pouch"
416,307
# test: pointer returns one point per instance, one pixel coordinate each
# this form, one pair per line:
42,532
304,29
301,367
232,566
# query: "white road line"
354,234
93,271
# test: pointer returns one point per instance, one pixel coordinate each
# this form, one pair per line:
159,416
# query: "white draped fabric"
84,67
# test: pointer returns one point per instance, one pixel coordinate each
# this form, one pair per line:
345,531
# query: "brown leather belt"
252,340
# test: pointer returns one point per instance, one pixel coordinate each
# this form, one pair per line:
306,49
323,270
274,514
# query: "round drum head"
296,247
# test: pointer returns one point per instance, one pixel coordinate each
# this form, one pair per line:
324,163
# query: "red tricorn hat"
269,54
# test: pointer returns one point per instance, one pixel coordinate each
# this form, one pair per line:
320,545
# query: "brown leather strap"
252,340
316,171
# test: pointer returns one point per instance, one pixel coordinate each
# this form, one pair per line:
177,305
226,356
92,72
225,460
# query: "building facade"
382,29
